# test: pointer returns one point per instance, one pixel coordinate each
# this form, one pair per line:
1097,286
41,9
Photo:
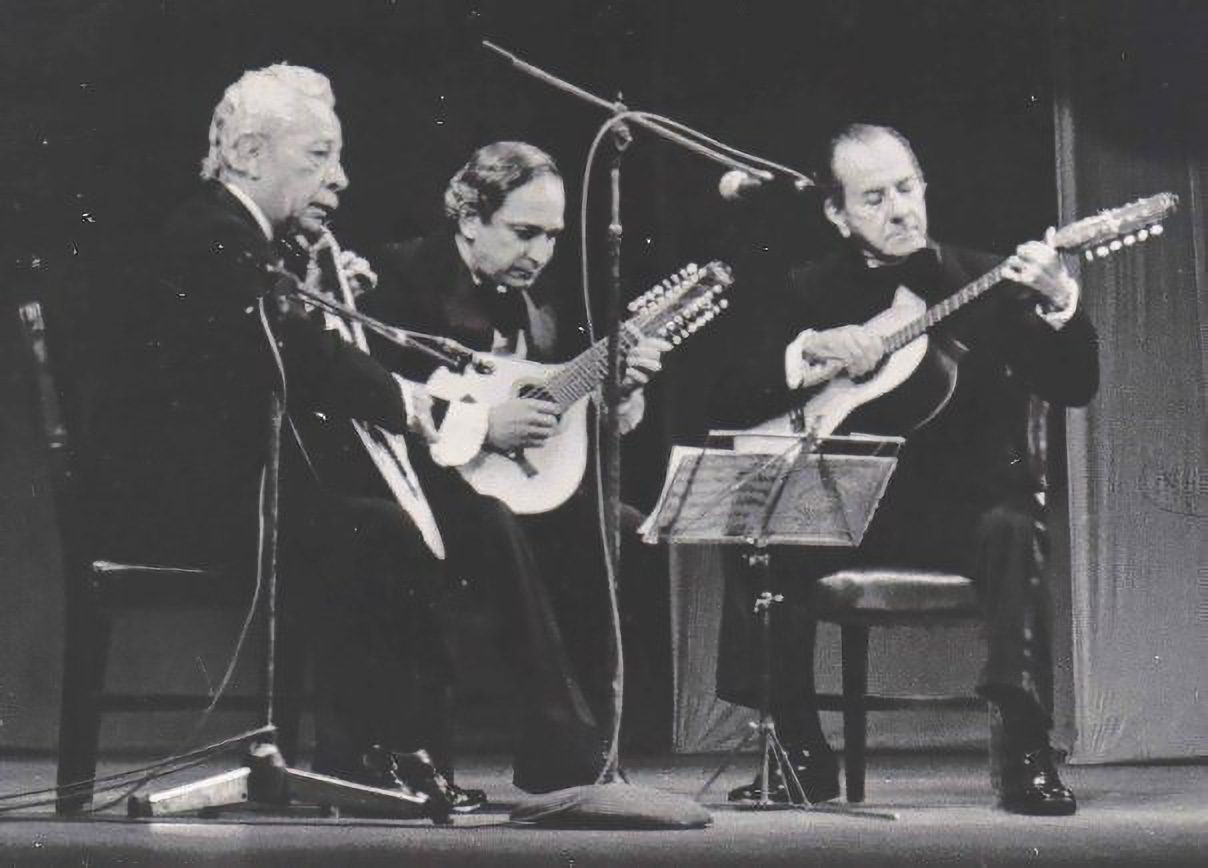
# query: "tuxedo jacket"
977,445
424,285
182,431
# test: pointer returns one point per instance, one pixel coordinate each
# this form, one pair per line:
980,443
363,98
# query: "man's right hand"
857,348
521,422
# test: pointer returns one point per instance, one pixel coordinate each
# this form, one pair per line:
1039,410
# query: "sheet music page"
711,494
780,497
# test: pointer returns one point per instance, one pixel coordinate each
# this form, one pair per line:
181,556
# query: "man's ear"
836,216
245,154
468,225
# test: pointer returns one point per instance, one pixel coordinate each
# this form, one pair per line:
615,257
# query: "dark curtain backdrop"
1133,120
104,108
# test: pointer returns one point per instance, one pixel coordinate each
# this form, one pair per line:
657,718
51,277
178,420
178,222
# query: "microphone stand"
555,809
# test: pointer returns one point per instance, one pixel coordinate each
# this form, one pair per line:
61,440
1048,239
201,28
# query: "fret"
914,329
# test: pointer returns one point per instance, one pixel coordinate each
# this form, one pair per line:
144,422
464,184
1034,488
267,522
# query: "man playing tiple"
476,282
962,498
183,435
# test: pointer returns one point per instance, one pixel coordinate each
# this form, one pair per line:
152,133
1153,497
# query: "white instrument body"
541,477
839,398
538,479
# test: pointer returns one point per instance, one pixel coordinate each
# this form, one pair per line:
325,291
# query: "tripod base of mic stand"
772,751
266,780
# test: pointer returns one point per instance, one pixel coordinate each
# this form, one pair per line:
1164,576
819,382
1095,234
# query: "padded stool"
859,599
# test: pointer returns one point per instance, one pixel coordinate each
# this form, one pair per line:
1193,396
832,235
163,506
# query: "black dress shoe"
411,773
466,800
817,773
1030,785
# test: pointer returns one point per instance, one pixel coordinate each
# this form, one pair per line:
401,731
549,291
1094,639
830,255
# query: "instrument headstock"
1117,228
683,302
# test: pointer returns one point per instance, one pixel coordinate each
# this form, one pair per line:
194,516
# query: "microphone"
738,184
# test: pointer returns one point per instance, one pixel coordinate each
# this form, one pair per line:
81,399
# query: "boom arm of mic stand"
624,115
444,350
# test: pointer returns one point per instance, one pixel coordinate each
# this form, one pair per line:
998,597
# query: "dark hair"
481,185
863,133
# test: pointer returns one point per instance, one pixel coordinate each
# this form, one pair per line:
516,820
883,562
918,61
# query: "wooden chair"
858,600
95,588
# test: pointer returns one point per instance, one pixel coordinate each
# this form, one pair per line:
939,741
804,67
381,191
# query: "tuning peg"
723,303
1143,235
1156,229
1116,244
1129,240
1101,251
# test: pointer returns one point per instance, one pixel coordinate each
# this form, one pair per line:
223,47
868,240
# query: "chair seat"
889,593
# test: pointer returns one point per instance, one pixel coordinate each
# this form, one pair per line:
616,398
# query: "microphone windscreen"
734,183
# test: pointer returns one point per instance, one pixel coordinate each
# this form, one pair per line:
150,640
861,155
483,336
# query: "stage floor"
1128,815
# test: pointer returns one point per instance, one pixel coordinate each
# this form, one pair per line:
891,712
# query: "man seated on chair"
478,281
184,435
962,498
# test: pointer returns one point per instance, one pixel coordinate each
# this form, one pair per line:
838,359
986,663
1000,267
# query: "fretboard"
586,371
918,326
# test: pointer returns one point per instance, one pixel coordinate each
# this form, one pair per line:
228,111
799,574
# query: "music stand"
770,490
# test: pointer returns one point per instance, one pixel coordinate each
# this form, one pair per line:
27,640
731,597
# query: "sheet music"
778,497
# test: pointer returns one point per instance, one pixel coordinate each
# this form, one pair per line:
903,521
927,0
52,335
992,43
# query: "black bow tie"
507,309
919,272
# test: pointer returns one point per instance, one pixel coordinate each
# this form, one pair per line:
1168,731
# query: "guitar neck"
933,315
587,371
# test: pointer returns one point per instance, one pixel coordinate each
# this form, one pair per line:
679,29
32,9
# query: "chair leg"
855,714
85,655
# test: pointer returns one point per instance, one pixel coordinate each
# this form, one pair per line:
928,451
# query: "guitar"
831,395
538,479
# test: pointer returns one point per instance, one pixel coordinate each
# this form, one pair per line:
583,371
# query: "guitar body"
536,479
910,386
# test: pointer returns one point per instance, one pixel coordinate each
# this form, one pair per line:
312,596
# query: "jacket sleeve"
753,387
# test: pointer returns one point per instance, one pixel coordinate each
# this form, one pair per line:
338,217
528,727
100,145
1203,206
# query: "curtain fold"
1128,88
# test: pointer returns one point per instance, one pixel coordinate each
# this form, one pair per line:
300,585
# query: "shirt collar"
463,250
250,204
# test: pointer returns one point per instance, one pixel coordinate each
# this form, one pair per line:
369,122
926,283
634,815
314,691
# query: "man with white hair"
216,336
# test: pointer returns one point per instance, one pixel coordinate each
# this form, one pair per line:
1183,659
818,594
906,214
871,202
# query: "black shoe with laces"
816,772
412,773
466,800
1030,784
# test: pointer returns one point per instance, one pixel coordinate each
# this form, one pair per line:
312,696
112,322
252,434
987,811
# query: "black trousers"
997,540
543,576
382,610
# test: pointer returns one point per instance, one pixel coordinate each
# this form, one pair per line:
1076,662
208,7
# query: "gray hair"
257,102
494,170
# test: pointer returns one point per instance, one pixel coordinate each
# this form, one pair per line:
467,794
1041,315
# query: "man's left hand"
357,272
642,361
1036,264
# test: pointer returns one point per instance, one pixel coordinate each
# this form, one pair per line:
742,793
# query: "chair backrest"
54,417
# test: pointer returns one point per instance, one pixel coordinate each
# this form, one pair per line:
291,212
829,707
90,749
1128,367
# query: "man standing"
184,434
476,282
962,498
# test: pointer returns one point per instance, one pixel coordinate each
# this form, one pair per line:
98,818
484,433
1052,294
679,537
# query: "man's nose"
336,178
541,249
899,204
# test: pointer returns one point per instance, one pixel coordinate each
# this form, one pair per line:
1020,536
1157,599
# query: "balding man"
962,498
